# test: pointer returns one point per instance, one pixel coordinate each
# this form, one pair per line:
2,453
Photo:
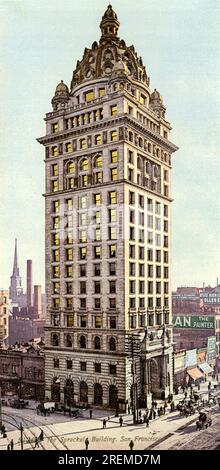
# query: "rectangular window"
158,271
69,254
132,269
101,92
83,236
114,136
84,181
83,218
131,251
131,197
56,222
114,110
82,270
69,205
82,253
112,233
83,202
55,127
55,151
149,205
97,237
69,239
97,199
112,322
55,170
157,223
142,100
112,251
98,139
112,269
82,287
141,269
69,364
70,321
141,252
56,239
97,269
97,217
141,201
98,321
114,174
165,211
82,305
69,271
112,303
83,318
69,287
130,174
56,287
56,363
112,369
97,367
165,256
112,197
114,156
141,287
112,215
150,287
165,225
150,270
89,96
157,208
131,233
69,303
56,303
158,256
97,252
83,366
98,177
83,144
112,287
55,186
97,303
97,287
68,147
55,207
132,287
130,157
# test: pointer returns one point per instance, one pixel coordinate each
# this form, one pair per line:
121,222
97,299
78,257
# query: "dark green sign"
197,322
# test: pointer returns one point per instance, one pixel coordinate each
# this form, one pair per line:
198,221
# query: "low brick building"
22,370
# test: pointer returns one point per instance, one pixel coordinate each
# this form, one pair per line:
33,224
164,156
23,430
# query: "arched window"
83,392
69,393
130,136
82,342
140,142
139,163
55,340
70,167
97,342
83,144
98,139
113,396
84,164
149,148
98,161
69,342
112,344
98,394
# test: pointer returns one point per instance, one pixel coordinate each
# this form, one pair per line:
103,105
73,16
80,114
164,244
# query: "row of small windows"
83,202
83,305
148,147
83,321
151,205
83,366
82,273
96,344
147,270
83,144
142,302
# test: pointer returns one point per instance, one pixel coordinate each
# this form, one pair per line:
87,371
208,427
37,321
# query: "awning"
206,368
195,373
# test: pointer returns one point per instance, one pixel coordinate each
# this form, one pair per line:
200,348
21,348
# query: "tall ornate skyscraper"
108,239
15,288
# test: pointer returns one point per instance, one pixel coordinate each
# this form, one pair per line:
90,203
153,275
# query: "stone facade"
4,316
108,240
22,371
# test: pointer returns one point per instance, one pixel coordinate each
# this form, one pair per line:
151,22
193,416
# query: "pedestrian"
90,413
139,413
154,414
108,418
8,447
121,421
104,424
155,404
147,422
131,445
87,443
129,409
12,444
185,394
144,417
36,442
41,437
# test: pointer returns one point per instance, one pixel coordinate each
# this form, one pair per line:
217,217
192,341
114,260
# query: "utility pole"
0,406
22,443
133,350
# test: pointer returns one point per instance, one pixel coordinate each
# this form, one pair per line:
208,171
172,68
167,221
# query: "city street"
61,432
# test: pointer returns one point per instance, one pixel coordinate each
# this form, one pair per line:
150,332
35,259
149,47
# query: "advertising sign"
191,358
211,348
198,322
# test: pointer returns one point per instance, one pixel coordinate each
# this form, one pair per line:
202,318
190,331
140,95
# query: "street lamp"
133,348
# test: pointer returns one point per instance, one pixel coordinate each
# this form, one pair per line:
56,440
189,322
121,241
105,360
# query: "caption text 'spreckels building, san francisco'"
108,221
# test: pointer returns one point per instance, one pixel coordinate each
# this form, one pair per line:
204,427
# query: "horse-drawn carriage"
204,420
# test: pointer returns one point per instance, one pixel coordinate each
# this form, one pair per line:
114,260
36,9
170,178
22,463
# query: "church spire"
15,265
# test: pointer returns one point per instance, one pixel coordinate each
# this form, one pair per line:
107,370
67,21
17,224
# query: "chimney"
29,283
38,301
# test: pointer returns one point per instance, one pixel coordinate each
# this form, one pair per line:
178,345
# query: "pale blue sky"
179,41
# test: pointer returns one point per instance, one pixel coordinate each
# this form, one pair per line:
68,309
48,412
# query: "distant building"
29,284
22,370
15,289
191,331
4,316
38,301
24,329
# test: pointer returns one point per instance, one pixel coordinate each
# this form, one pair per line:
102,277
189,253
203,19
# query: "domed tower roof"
61,89
156,103
111,57
61,95
109,24
155,96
